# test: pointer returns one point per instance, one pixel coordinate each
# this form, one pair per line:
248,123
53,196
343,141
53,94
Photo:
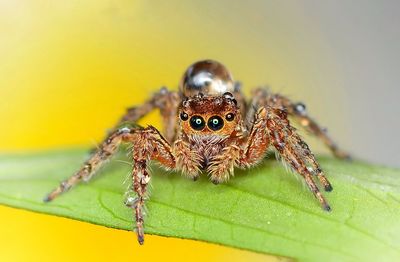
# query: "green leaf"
265,209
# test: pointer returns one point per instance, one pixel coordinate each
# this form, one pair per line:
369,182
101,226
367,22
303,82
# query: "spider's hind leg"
262,97
166,101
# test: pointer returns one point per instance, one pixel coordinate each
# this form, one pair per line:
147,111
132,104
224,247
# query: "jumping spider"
209,126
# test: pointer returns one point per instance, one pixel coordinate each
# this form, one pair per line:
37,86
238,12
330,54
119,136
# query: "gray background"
364,36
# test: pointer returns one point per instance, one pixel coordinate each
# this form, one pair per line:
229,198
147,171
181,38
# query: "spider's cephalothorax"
209,127
209,123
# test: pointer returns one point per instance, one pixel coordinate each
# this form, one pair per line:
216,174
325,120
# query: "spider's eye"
197,122
184,116
230,117
215,123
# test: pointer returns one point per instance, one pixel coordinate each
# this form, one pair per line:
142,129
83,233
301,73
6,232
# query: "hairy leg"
294,151
166,101
93,164
148,144
241,151
221,167
240,97
261,97
271,127
187,160
168,105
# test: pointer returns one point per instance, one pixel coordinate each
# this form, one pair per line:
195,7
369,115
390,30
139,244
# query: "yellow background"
68,70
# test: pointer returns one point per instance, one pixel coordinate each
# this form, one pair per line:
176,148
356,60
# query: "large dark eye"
197,122
215,123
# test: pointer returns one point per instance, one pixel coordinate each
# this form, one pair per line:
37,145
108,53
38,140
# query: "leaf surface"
265,209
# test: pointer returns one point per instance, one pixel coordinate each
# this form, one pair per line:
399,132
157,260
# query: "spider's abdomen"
208,77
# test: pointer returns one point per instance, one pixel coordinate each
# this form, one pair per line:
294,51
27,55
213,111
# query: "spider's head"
210,115
208,77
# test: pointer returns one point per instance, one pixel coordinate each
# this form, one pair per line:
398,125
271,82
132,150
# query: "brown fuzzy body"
207,147
210,128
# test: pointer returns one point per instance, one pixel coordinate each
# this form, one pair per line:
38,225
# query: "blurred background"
68,70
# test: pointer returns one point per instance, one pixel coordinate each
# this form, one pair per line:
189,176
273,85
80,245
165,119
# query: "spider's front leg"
148,144
294,151
271,127
222,166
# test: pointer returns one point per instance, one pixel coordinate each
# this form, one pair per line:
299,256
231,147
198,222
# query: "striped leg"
271,127
166,101
89,168
261,97
295,152
147,145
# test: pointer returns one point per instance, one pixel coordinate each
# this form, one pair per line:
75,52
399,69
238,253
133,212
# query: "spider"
210,127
